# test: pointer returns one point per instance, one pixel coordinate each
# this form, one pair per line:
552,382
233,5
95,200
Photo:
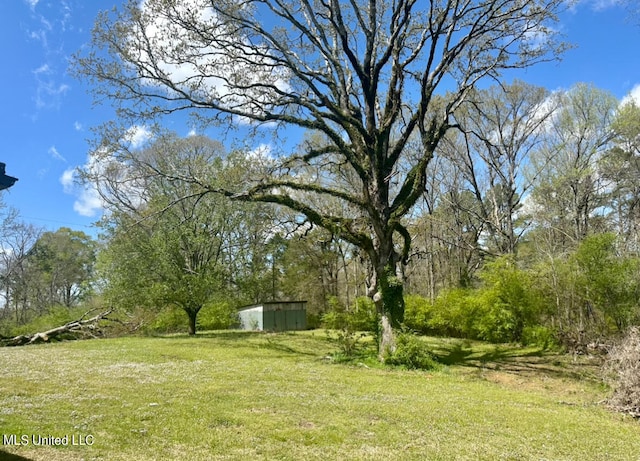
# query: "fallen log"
82,326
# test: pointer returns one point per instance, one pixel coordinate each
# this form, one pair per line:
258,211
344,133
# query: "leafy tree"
18,279
621,168
366,74
570,188
592,291
65,261
316,257
607,283
177,248
509,303
501,308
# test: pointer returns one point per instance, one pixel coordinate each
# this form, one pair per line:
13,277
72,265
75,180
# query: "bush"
453,314
219,315
363,316
349,343
499,310
417,313
314,320
509,301
607,281
540,336
360,317
623,365
350,323
171,319
411,353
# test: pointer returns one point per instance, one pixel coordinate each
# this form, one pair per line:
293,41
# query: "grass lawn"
232,395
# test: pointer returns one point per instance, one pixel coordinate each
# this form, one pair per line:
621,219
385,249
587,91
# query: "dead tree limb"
82,326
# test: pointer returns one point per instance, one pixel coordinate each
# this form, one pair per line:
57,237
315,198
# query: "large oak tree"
368,75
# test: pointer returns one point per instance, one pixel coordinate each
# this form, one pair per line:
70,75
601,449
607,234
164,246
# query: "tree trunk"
193,315
389,300
80,326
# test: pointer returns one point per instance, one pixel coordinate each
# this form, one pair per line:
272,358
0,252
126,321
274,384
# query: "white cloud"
65,11
102,164
137,136
55,154
164,33
203,68
192,132
600,5
596,5
47,26
89,203
48,91
634,95
261,152
77,126
41,33
43,69
68,180
32,3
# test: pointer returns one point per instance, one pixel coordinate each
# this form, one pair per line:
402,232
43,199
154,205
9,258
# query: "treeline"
529,228
44,276
528,231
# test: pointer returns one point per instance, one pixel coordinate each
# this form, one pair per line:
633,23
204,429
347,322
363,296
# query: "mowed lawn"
246,396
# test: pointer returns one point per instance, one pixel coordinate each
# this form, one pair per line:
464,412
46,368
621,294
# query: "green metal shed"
274,316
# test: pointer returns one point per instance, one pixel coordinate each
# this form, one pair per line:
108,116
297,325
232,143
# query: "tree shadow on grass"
456,355
522,361
230,335
5,456
284,341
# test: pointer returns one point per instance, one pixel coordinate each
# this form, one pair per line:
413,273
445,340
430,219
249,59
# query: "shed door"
279,320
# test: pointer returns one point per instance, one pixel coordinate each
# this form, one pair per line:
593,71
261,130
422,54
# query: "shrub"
363,315
411,353
359,317
540,336
6,329
219,315
495,320
351,323
592,293
171,319
607,281
349,343
499,310
417,313
314,320
453,314
623,364
336,317
510,302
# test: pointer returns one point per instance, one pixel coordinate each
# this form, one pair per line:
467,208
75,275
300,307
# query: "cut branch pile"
624,366
81,327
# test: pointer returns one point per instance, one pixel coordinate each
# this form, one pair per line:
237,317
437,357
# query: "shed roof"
273,305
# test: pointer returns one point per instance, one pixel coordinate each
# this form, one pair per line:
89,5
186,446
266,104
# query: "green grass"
232,395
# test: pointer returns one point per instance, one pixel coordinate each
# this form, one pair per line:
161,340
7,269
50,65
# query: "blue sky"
47,115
